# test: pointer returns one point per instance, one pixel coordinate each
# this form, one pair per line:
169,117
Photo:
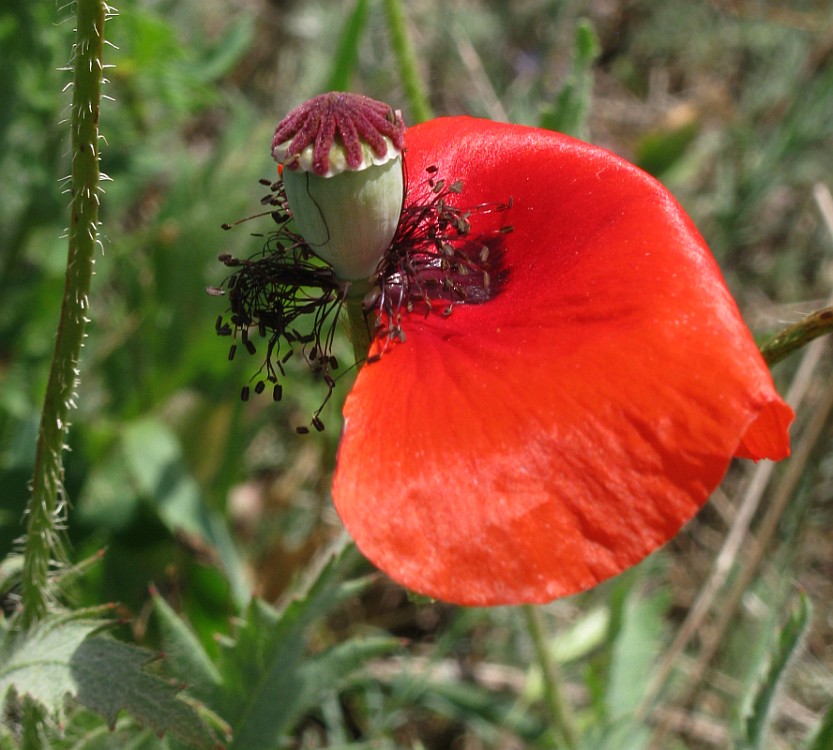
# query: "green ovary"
348,219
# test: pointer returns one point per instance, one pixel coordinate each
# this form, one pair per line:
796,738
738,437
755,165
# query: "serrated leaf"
110,677
285,696
86,730
268,681
785,645
35,663
187,659
66,655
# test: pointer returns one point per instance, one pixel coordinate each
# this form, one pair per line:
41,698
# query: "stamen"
267,295
432,258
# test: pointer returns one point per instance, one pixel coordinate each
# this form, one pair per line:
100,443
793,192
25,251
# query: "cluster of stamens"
433,262
267,295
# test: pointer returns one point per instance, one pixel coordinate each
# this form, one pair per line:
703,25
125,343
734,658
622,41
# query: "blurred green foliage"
211,499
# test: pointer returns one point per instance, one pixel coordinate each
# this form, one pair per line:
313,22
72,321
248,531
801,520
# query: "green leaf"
269,681
568,114
490,711
222,57
775,669
156,466
66,655
110,676
86,730
621,735
36,663
7,741
344,60
323,671
660,150
185,655
582,637
635,649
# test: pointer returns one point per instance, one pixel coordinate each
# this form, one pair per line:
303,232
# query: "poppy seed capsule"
342,159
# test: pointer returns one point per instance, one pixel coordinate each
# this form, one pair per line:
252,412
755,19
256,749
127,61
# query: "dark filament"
433,264
269,292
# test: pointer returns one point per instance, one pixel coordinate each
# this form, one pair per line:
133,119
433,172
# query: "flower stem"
406,58
45,507
561,718
357,320
795,336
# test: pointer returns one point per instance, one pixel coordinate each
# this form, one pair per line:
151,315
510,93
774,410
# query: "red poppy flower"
547,439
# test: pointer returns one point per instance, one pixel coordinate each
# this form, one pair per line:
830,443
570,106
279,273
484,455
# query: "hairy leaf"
36,663
67,655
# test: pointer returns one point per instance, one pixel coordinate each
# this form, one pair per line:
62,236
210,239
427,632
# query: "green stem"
560,716
415,90
357,320
802,333
45,508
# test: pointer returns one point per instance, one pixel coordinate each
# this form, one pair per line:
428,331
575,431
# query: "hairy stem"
796,336
45,507
406,59
561,719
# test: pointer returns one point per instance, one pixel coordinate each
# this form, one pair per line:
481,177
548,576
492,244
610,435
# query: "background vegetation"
187,501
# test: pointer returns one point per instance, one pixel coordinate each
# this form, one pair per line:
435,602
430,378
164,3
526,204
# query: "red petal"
537,444
765,436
